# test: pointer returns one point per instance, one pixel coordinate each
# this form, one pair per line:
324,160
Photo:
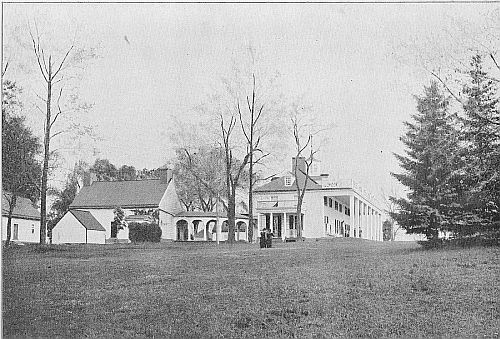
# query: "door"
114,229
277,225
15,232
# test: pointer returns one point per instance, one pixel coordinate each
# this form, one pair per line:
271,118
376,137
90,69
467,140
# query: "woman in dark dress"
269,238
263,239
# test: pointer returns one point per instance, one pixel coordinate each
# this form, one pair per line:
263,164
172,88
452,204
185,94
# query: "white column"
271,222
367,226
352,217
205,238
374,224
380,227
361,217
285,223
259,221
283,227
366,232
370,224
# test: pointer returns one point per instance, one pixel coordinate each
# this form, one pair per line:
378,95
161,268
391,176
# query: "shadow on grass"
458,243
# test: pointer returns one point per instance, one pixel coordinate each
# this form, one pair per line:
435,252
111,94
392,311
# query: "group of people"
266,238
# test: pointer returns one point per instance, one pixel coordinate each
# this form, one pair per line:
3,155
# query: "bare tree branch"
493,58
4,70
447,88
38,56
58,107
62,62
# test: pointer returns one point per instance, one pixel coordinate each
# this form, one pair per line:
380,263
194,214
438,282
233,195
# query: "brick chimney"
324,179
166,174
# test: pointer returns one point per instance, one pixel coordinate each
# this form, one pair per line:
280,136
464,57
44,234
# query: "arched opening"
241,231
224,227
210,230
182,230
198,230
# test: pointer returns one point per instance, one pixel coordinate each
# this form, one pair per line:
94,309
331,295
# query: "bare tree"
52,69
303,132
390,209
234,171
253,147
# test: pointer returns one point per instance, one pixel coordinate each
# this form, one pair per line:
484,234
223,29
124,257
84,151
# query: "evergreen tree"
481,151
21,169
429,168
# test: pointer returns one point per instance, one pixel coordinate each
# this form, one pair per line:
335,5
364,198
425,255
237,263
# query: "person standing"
263,239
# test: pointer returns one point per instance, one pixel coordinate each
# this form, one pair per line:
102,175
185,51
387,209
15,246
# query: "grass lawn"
313,289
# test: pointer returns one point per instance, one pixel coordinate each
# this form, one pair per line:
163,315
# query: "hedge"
144,232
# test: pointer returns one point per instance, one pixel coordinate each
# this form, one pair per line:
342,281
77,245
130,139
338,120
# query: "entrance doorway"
277,222
182,230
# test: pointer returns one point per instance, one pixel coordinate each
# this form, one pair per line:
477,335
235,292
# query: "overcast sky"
350,61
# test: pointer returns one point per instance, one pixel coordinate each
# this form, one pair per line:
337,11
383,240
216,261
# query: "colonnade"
366,220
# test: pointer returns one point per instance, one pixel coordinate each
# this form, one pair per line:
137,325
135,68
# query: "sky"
357,65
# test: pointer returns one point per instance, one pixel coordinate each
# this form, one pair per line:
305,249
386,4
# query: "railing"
276,204
349,183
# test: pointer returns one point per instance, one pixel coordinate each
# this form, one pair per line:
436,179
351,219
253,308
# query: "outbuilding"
78,227
25,223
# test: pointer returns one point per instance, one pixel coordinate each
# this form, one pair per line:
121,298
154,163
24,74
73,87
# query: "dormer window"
288,181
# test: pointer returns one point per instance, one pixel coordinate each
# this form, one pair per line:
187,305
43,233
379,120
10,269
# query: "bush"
144,232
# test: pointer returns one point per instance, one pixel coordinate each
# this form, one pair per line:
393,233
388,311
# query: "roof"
125,194
24,208
87,220
206,214
278,185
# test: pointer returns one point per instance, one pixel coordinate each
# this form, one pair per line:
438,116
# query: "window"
288,181
336,206
330,203
340,208
326,219
291,222
325,201
346,211
15,233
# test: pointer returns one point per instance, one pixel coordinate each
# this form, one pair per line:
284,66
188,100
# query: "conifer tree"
429,168
481,151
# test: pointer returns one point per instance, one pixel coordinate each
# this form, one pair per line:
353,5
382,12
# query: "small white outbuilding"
78,227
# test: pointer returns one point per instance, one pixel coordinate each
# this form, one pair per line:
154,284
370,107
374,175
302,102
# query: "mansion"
328,210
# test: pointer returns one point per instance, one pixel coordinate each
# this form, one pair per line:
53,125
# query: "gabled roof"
24,208
278,185
125,194
87,220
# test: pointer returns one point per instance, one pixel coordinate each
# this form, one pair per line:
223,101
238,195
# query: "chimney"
166,174
324,179
89,178
301,164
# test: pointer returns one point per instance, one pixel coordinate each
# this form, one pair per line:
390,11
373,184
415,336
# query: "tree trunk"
299,217
231,212
250,200
45,169
12,205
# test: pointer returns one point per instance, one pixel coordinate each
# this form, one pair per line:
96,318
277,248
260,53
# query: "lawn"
313,289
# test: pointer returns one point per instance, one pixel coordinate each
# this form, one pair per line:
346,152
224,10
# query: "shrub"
144,232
